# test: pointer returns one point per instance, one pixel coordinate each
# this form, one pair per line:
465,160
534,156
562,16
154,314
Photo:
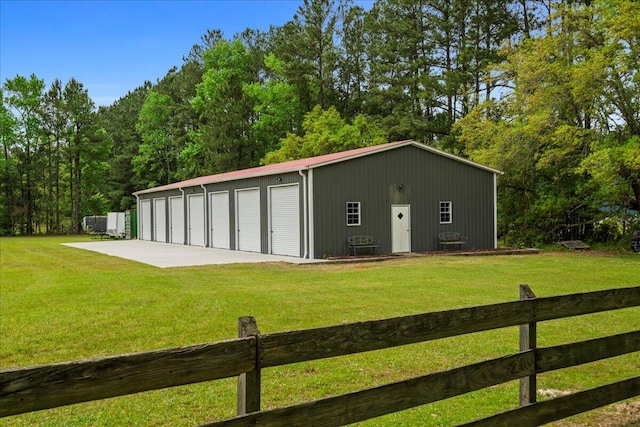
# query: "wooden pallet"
575,244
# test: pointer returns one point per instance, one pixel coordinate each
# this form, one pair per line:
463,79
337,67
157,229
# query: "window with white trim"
353,214
445,213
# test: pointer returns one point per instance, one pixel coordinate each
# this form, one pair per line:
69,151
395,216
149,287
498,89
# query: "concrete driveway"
166,255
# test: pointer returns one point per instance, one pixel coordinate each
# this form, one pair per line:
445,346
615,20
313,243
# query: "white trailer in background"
115,224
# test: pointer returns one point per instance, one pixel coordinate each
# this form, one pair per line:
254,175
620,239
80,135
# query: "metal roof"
306,164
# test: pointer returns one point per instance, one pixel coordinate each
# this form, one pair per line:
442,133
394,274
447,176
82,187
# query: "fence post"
249,383
527,342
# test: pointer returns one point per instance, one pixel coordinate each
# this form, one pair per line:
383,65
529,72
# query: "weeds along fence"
49,386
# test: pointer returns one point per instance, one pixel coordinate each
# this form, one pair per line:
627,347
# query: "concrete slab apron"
166,255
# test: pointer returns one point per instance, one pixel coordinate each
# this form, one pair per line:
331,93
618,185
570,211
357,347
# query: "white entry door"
145,219
285,220
195,205
248,220
219,204
160,220
401,228
176,220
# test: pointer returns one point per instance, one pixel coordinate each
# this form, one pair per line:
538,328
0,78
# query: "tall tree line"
566,135
54,157
410,68
546,90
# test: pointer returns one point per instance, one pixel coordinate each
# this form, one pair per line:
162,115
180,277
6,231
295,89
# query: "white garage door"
176,219
220,233
248,220
160,220
195,204
285,220
145,219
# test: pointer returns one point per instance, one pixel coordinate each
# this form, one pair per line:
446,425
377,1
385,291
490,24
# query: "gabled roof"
306,164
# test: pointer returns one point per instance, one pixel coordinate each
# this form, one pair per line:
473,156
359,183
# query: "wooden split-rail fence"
42,387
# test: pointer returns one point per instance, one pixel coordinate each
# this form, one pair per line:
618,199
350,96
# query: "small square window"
353,213
445,212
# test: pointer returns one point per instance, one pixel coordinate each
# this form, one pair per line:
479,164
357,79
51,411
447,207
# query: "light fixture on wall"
278,179
400,187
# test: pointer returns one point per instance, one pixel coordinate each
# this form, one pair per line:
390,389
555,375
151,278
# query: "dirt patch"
626,414
550,393
361,258
473,252
487,252
597,251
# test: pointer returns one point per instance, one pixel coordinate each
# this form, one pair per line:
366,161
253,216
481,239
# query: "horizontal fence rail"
48,386
540,413
311,344
374,402
579,353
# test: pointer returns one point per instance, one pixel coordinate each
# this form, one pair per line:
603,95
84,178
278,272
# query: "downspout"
205,202
312,254
304,208
184,217
138,220
495,211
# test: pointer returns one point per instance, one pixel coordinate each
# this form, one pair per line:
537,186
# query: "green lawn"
60,304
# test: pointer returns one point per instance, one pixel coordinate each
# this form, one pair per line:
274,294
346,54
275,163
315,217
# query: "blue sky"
114,46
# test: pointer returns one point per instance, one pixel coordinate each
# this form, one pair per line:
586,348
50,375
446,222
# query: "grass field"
60,304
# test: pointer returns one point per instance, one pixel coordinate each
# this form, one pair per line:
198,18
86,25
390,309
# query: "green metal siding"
374,180
426,178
